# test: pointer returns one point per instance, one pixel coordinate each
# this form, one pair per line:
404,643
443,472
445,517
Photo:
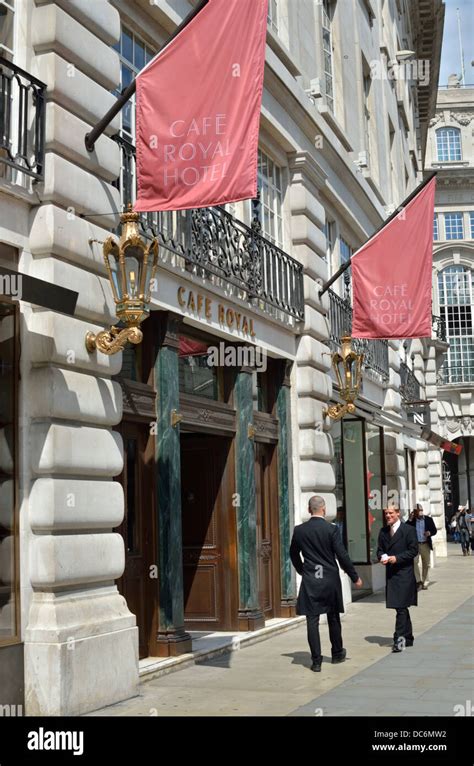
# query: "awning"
39,292
385,419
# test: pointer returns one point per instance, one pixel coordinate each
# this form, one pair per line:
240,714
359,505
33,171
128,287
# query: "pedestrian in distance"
396,550
464,528
321,592
425,531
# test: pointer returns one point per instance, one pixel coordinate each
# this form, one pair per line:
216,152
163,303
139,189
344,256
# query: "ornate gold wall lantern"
131,266
347,367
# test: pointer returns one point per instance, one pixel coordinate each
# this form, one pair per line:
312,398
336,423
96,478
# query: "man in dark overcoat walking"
397,549
321,590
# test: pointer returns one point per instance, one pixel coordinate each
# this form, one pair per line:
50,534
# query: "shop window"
338,465
375,484
264,386
9,583
356,517
198,373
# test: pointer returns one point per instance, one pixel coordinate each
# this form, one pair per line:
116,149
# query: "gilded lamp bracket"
347,367
131,265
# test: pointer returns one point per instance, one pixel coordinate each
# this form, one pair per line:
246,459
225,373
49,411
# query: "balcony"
22,117
215,245
456,375
410,388
375,351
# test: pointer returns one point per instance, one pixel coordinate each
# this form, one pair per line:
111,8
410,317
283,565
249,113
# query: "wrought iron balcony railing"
439,328
410,387
375,351
449,374
213,242
22,117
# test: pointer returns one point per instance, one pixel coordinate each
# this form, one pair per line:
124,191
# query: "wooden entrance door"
209,534
267,529
138,531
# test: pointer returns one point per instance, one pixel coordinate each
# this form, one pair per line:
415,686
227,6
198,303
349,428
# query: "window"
456,297
196,376
134,54
271,194
272,18
330,234
435,227
448,143
327,53
345,251
9,586
471,216
7,11
453,226
367,85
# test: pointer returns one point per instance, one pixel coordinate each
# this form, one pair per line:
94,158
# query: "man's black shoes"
339,657
316,667
396,648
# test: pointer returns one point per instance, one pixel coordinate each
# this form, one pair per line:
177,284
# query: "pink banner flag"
198,110
392,273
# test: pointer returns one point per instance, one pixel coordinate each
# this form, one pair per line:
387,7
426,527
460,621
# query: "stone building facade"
96,575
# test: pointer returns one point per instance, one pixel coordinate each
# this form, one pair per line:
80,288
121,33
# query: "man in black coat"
425,530
397,549
321,591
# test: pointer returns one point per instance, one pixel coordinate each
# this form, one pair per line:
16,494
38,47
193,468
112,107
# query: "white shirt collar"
396,525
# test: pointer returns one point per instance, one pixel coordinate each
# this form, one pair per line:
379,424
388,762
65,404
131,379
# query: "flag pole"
405,202
98,129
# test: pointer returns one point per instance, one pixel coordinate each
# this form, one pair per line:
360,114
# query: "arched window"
456,297
448,144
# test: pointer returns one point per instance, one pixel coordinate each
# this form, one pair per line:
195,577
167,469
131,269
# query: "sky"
450,56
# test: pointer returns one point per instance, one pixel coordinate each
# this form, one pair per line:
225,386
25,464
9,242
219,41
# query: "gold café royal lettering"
202,306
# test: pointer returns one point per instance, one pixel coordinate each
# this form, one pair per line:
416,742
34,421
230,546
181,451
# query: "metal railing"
22,120
213,242
410,387
439,328
340,320
449,374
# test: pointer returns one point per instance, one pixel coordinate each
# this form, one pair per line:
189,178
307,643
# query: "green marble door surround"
168,488
250,614
288,588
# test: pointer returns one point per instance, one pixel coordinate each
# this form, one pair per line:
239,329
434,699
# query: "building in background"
450,151
146,496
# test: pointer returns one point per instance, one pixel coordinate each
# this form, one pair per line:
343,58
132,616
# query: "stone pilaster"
435,470
395,467
313,446
79,629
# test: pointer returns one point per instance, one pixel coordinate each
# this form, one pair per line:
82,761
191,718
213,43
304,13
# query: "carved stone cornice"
306,164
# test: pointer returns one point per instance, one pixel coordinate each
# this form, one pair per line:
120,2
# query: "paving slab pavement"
273,676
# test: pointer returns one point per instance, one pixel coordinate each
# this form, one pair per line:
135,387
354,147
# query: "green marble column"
172,638
250,615
288,590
